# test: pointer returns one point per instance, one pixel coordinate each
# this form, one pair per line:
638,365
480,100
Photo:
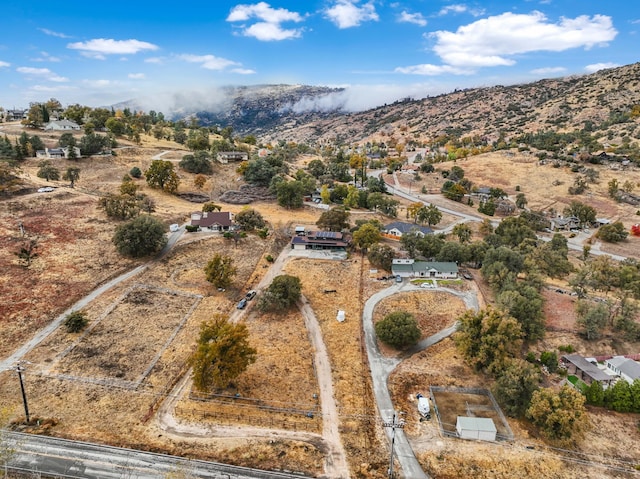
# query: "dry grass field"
106,383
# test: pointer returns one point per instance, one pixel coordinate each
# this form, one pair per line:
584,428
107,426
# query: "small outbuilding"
480,428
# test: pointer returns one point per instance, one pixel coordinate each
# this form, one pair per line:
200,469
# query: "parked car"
174,227
398,279
45,189
251,294
243,303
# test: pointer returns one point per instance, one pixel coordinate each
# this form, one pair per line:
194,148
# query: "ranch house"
398,228
410,268
213,220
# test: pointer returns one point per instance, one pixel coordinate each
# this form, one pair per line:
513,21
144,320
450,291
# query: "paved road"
74,459
381,367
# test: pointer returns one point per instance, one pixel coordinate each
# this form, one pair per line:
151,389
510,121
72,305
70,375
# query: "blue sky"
171,53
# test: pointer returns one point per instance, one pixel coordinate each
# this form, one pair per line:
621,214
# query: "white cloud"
428,69
136,76
266,32
41,72
156,60
600,66
46,31
45,57
243,71
50,89
99,47
101,84
209,62
458,8
346,14
548,70
417,18
4,64
493,40
268,27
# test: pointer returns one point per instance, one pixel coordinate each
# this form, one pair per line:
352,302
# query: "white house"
227,156
626,368
480,428
410,268
62,125
52,153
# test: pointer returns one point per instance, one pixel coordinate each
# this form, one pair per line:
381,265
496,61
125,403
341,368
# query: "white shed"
481,428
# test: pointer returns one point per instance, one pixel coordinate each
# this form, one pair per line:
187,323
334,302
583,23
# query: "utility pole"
396,423
20,368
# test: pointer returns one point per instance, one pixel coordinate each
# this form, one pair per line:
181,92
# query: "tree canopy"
282,293
140,236
220,271
398,329
223,353
161,175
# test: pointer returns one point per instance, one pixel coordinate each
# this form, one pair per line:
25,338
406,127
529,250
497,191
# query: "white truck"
423,407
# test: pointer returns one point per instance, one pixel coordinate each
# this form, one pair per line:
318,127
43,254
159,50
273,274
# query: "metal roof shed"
481,428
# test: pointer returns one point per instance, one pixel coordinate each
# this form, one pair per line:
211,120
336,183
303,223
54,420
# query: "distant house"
213,220
227,156
585,370
57,153
409,268
626,368
62,125
568,223
398,228
15,115
320,240
480,428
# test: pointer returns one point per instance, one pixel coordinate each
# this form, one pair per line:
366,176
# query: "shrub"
135,172
191,228
76,321
398,329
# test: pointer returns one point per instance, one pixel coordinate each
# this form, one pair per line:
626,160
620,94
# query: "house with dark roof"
320,240
398,228
53,153
585,370
227,156
410,268
626,368
213,220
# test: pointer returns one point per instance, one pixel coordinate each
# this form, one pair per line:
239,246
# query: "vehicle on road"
428,284
46,189
251,294
398,279
243,303
174,227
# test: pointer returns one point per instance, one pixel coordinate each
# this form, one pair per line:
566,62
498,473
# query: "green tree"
210,206
594,394
613,188
381,256
316,168
223,353
200,162
141,236
336,219
48,171
27,252
613,233
122,207
135,172
521,201
429,214
585,213
619,397
76,321
290,194
161,175
561,416
463,232
592,318
524,303
250,219
220,271
515,385
366,236
398,329
282,293
488,338
72,175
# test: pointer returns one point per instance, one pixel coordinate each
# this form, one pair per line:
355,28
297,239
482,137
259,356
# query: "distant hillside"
600,101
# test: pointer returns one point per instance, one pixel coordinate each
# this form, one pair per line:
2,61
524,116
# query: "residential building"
586,371
62,125
410,268
398,228
213,220
57,153
625,368
227,156
320,240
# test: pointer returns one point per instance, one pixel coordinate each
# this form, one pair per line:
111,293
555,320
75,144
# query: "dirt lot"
143,331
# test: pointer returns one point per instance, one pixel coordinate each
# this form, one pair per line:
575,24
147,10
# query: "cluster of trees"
621,397
129,203
398,329
47,171
140,236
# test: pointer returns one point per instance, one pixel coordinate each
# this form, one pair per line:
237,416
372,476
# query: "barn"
480,428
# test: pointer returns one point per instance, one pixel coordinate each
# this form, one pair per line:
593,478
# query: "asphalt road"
74,459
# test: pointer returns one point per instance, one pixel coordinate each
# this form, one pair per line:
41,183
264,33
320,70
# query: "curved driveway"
381,367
